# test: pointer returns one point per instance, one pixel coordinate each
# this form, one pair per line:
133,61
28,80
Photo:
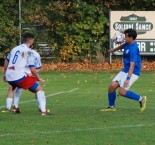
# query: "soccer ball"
118,38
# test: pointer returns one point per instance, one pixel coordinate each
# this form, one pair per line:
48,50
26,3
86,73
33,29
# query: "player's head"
130,35
28,38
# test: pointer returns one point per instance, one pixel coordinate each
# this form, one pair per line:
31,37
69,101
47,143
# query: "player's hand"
111,50
126,84
41,80
4,79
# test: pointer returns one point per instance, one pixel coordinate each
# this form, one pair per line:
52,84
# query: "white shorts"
121,77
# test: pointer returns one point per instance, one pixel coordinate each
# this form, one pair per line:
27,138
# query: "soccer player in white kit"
22,56
18,91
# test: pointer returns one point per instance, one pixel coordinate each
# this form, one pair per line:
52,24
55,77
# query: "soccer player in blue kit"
129,74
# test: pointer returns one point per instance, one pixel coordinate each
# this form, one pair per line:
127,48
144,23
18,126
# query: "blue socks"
112,98
132,95
129,94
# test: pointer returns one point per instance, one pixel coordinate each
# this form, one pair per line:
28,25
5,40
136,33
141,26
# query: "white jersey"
18,60
35,61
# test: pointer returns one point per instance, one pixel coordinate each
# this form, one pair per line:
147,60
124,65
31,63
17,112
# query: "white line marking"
50,95
77,130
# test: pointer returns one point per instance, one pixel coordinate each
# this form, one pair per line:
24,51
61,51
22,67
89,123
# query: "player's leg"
111,96
112,92
33,86
17,95
9,99
40,97
36,88
37,102
132,95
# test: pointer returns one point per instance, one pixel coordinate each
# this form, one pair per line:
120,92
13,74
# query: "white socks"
17,94
37,100
140,99
42,100
8,103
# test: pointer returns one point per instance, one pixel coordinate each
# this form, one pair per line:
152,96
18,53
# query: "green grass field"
76,99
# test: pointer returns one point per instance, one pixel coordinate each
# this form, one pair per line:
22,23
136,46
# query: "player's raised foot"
5,110
16,110
109,109
143,104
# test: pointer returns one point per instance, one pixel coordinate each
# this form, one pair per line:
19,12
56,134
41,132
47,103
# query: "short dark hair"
131,33
27,36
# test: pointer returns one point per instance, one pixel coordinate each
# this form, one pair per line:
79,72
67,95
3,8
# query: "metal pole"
110,35
20,24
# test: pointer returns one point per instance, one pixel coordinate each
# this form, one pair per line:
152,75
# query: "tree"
76,29
72,27
9,32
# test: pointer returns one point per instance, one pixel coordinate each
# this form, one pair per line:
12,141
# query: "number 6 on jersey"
15,57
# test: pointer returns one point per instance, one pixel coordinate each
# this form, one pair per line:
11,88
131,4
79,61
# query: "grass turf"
77,119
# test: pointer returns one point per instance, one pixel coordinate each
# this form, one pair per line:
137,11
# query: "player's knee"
122,92
19,90
10,92
35,88
11,88
112,87
39,88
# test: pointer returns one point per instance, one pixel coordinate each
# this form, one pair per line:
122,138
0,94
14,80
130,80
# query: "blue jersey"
131,54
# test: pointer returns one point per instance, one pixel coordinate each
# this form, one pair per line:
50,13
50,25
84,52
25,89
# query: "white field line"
78,130
50,95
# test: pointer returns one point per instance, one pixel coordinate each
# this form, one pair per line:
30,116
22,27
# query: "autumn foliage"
87,66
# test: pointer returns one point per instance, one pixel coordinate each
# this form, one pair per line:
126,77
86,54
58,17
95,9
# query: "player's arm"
116,49
34,72
38,64
130,72
133,58
6,62
38,70
31,65
132,65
